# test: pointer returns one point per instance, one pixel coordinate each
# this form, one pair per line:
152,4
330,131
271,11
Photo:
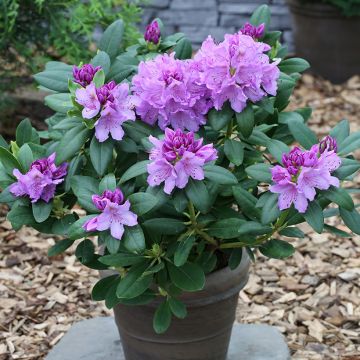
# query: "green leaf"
261,16
183,250
246,121
84,187
59,102
350,144
235,258
76,230
351,219
180,201
337,231
277,249
301,132
165,226
292,232
23,132
108,182
198,194
277,149
226,228
234,151
341,131
135,170
246,202
111,243
270,211
8,160
111,40
177,308
254,228
162,318
348,167
25,156
102,287
218,119
267,104
183,49
340,197
19,216
56,80
189,277
134,239
99,78
134,283
101,154
315,217
260,172
219,175
60,247
102,59
85,251
121,259
71,143
41,210
293,65
142,203
6,196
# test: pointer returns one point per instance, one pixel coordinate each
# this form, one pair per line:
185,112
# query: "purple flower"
41,179
176,158
114,105
115,213
304,172
328,143
152,32
169,91
237,70
256,32
85,74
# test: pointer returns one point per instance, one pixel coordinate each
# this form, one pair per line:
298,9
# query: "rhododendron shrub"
165,167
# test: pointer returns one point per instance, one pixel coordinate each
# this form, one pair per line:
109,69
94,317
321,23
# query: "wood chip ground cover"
313,298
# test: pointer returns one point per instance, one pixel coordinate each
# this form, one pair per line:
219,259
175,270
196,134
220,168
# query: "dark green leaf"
340,197
234,151
101,154
165,226
337,231
350,144
218,119
226,228
292,232
135,170
293,65
85,251
121,259
189,277
246,121
60,247
277,249
56,80
235,258
111,40
277,149
351,219
23,132
142,203
246,202
183,250
254,228
198,194
177,308
348,167
301,132
25,156
102,59
270,211
59,102
107,183
134,239
183,49
8,160
84,187
315,217
341,131
19,216
101,288
219,175
41,210
260,172
76,230
261,16
162,318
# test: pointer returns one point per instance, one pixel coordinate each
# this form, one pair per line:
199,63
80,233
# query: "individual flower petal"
87,97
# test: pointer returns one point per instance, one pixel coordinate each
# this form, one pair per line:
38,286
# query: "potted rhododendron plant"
186,168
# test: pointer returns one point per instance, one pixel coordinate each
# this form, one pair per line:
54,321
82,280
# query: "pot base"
98,339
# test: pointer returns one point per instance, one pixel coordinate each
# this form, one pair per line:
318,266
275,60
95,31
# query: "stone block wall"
199,18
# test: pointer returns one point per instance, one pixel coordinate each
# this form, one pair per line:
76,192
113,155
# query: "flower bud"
152,33
255,32
328,143
84,75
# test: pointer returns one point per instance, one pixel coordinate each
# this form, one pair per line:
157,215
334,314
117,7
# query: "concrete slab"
98,339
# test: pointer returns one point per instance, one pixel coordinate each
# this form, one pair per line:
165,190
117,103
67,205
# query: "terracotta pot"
327,39
203,335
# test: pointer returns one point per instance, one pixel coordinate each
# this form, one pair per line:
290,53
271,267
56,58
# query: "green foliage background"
35,31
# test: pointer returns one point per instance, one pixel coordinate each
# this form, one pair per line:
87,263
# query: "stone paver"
98,339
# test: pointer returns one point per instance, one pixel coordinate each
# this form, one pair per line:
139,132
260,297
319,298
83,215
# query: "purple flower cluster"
237,70
304,172
256,32
41,179
169,91
176,158
152,32
114,105
115,213
84,75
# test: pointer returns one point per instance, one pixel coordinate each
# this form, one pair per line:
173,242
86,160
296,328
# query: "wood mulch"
313,298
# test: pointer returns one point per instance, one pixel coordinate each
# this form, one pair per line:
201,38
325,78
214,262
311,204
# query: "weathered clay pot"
203,335
327,39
